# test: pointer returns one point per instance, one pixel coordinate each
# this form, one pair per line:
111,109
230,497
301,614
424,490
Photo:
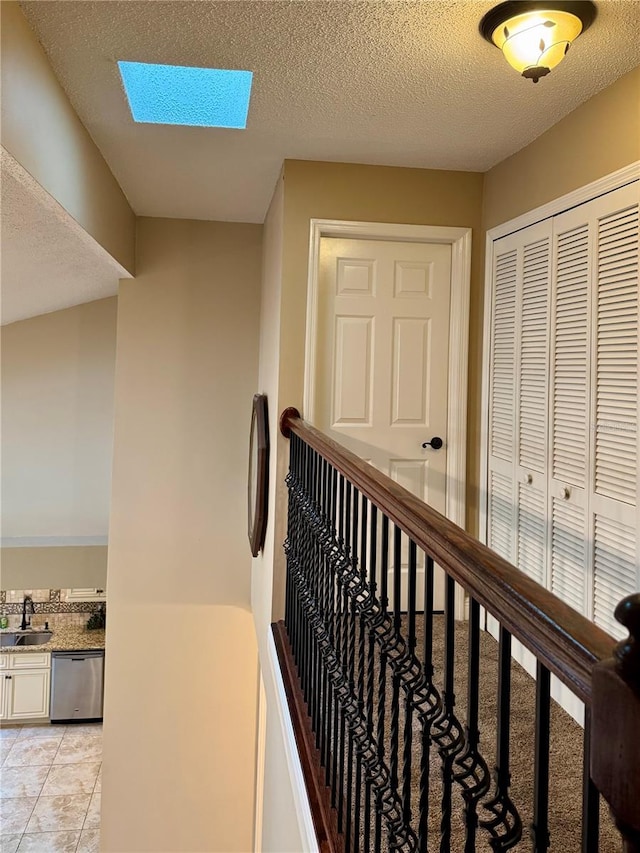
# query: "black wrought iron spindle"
590,795
382,672
505,827
471,770
373,552
337,724
408,714
394,729
429,711
361,669
448,732
540,826
349,839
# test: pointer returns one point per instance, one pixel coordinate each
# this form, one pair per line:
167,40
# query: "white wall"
181,658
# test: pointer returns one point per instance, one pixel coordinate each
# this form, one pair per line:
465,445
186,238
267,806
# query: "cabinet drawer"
30,660
4,661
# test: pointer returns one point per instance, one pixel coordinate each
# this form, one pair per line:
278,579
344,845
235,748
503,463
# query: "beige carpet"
566,750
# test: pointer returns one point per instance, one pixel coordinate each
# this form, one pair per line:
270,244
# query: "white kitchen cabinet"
25,686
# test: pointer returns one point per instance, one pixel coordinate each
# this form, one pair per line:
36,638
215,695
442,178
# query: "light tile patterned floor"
50,783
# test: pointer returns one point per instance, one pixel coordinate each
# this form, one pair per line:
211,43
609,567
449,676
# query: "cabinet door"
28,695
5,685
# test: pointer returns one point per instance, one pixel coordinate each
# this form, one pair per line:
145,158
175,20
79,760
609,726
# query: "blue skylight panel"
197,97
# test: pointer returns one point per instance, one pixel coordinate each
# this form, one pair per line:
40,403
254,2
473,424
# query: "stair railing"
373,716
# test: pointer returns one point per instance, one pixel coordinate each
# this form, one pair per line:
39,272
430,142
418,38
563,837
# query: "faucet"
26,623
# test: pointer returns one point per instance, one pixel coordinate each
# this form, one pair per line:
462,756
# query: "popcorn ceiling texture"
48,261
395,83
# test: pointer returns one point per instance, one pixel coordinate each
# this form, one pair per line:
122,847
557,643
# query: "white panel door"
382,362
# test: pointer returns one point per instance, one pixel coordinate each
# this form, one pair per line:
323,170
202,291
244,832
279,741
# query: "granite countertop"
67,639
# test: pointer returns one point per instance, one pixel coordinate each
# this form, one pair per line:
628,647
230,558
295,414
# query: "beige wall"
599,137
375,194
279,830
181,678
61,567
57,424
42,131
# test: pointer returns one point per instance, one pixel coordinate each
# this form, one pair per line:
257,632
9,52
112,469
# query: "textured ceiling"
48,261
396,83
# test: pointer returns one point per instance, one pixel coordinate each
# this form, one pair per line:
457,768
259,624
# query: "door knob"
435,443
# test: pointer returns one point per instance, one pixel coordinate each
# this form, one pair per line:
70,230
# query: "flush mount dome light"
192,97
535,36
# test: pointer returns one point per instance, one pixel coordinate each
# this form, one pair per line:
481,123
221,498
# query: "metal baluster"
361,668
314,579
472,773
345,628
352,666
447,740
373,543
324,609
408,714
426,718
338,644
395,684
540,828
590,795
327,685
505,827
382,674
331,712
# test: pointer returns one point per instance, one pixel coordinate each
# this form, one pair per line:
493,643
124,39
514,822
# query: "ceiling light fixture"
535,36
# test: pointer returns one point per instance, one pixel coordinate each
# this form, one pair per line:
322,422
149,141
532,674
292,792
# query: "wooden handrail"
566,642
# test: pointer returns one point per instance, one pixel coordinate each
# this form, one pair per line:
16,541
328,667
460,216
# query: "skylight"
196,97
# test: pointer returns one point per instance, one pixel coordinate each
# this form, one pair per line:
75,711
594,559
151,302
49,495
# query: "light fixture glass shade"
535,42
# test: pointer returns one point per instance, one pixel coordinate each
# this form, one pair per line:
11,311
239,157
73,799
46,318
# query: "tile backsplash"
50,605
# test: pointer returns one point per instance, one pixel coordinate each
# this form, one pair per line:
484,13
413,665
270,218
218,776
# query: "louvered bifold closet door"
532,371
570,402
614,518
502,388
518,398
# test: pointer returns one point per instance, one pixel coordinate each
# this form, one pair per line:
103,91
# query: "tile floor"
50,783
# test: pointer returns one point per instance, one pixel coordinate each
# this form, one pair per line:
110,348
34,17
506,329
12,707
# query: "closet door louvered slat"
501,504
571,355
532,526
568,553
617,356
532,364
503,379
533,373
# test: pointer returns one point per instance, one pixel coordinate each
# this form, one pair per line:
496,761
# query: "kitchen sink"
25,638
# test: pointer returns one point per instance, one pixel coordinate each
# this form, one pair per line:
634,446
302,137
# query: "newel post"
615,727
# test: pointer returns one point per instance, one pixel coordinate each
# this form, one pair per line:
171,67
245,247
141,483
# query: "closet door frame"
613,181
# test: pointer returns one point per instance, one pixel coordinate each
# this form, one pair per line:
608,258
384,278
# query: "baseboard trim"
323,817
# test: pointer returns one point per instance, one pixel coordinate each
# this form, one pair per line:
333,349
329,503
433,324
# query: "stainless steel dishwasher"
77,680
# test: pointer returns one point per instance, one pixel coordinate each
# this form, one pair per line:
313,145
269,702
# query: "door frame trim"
607,183
460,241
